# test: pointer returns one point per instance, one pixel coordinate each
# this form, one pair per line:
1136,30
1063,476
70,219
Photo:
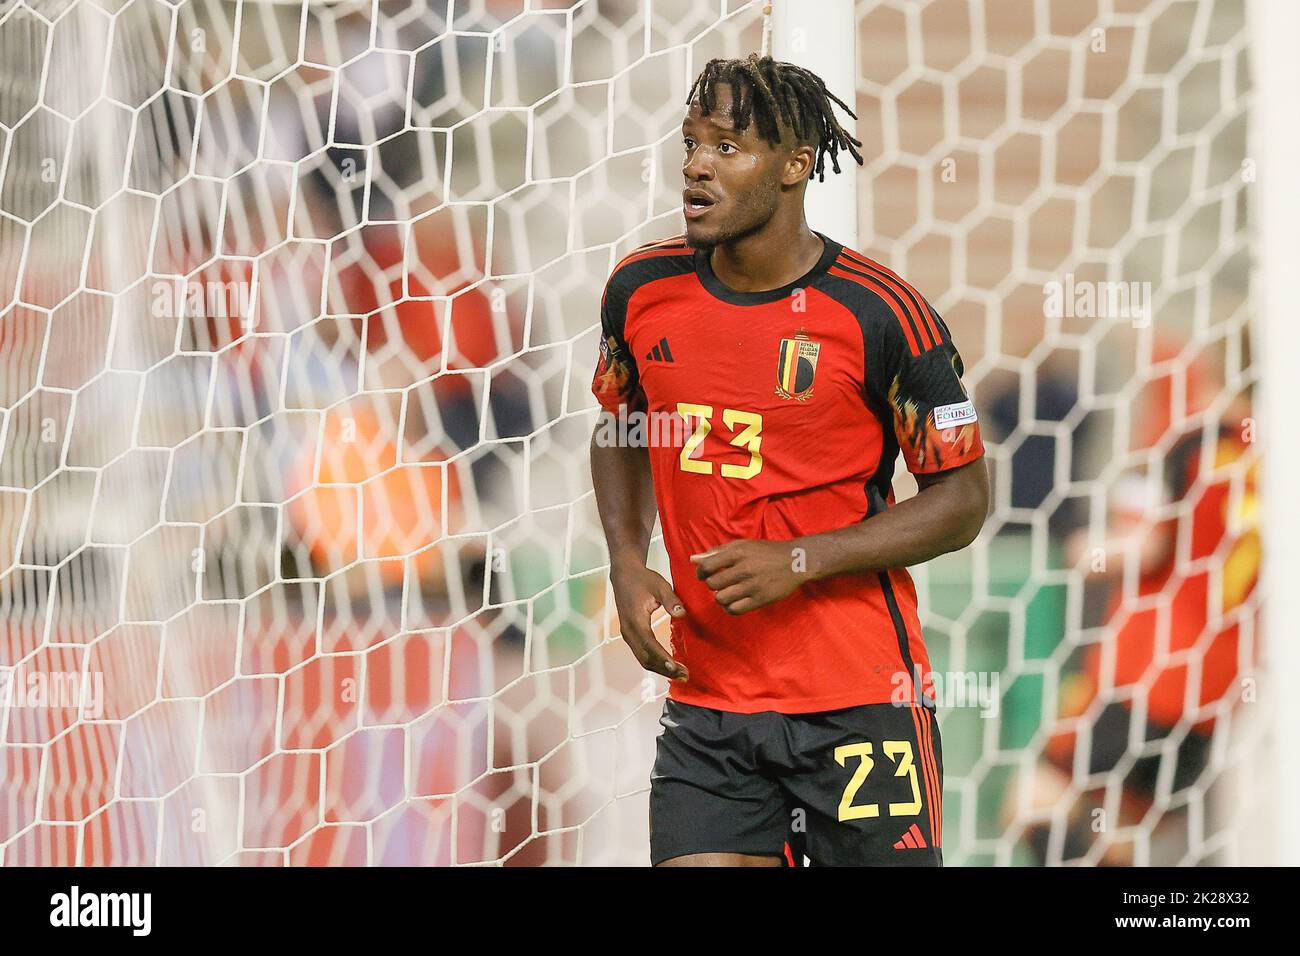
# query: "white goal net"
299,559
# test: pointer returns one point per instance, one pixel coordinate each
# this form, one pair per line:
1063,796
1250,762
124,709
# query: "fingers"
637,632
726,578
720,569
708,562
636,597
737,599
653,657
743,605
668,599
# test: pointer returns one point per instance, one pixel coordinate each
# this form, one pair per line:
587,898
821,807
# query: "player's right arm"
620,476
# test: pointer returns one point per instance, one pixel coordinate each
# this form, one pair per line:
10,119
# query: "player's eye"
688,142
727,149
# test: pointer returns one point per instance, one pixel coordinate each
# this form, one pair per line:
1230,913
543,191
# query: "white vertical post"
1275,207
823,37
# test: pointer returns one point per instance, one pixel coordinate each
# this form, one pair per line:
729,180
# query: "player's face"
733,177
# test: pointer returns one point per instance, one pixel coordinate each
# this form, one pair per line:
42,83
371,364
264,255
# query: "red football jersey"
774,415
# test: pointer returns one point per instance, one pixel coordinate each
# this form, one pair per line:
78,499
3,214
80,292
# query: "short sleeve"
616,382
916,374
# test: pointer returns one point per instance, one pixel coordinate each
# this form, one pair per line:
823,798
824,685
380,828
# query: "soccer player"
800,718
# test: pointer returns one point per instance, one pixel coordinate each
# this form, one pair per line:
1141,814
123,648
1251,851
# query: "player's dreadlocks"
772,92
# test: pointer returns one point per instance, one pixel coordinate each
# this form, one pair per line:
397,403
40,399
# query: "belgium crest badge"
796,365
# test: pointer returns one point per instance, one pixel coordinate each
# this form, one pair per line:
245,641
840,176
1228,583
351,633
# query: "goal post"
823,37
1276,143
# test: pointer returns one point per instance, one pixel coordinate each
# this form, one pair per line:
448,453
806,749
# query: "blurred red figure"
1175,659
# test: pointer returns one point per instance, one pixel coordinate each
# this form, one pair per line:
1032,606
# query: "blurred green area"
978,761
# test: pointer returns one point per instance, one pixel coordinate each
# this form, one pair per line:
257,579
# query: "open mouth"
695,205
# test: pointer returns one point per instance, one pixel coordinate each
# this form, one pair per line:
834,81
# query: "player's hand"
749,574
638,591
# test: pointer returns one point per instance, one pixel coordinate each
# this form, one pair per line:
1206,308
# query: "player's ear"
798,165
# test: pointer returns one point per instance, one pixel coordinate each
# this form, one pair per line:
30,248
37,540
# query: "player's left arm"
945,515
918,384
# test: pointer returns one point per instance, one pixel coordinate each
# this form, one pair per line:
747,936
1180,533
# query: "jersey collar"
715,286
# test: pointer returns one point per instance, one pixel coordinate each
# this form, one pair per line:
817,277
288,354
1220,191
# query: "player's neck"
774,256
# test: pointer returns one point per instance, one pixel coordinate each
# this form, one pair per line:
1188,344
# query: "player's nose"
696,169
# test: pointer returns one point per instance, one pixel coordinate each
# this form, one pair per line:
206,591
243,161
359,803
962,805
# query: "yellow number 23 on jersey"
747,429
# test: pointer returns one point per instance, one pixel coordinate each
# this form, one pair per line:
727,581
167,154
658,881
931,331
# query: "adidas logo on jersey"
660,353
912,839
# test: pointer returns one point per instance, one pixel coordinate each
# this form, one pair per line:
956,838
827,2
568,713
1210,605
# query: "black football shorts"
860,786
